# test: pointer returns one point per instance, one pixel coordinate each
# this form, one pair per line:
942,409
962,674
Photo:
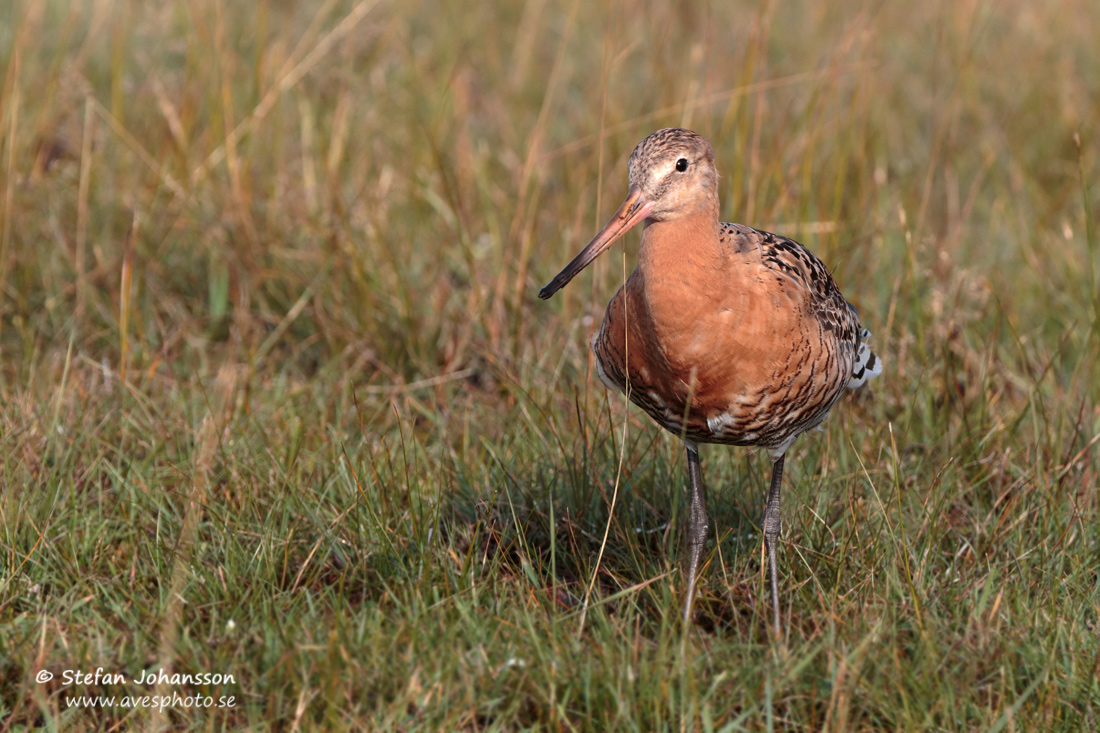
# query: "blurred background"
270,353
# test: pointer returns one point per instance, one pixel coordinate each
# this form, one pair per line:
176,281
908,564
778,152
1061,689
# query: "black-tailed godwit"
722,334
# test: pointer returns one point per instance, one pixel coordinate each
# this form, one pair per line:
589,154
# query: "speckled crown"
667,141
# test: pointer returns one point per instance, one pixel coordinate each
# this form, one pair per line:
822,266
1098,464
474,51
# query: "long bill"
635,209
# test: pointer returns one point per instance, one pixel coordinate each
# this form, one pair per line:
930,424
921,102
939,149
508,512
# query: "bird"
722,333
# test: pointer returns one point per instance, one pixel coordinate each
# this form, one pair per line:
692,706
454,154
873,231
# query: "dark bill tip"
634,210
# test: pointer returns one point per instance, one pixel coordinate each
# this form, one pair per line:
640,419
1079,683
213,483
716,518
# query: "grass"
277,400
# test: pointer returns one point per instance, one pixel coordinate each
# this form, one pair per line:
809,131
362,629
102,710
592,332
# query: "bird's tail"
868,365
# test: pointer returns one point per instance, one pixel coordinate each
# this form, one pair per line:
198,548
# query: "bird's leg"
697,533
771,536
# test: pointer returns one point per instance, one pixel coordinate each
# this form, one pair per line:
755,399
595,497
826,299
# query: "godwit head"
671,175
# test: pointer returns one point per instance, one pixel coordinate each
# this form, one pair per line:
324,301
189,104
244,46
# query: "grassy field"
277,400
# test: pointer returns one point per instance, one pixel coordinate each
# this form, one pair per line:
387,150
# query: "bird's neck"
684,248
682,280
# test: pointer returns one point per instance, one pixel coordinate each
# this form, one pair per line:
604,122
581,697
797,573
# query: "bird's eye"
682,164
